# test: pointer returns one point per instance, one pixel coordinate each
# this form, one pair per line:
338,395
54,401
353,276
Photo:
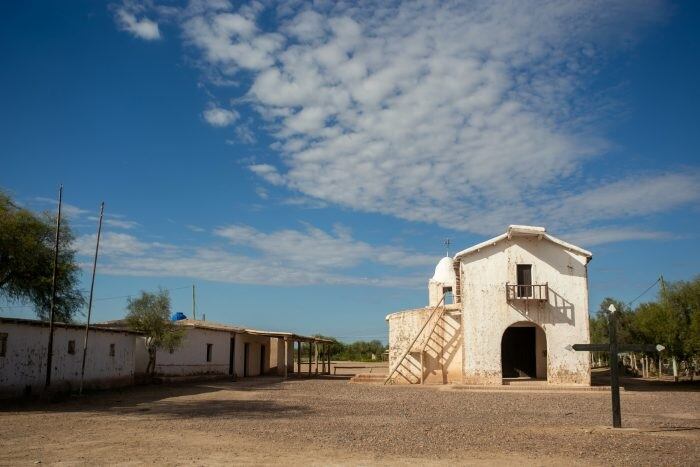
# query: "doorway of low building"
232,355
524,352
262,359
246,358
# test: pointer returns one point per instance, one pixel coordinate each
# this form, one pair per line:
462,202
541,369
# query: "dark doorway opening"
246,358
518,352
262,359
232,355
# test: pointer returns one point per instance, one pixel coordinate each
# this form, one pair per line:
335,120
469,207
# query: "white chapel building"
507,308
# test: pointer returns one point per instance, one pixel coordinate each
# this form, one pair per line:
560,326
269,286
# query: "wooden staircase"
406,367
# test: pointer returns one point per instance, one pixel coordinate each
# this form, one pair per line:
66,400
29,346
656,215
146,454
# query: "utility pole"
49,355
194,307
92,288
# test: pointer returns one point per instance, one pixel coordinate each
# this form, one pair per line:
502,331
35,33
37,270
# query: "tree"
681,303
26,261
599,328
150,314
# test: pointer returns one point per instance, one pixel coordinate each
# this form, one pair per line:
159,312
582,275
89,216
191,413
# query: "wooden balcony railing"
527,292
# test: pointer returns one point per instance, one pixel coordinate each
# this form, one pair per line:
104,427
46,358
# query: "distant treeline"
672,320
358,351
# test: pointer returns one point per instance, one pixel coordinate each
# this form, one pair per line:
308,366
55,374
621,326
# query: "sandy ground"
328,421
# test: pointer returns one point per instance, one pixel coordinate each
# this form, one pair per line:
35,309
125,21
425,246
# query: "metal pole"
92,288
194,308
614,376
49,356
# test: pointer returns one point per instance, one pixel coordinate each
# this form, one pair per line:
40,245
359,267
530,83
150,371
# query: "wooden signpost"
613,348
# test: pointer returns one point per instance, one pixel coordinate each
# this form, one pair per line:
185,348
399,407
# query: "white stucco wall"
24,364
191,357
255,344
487,313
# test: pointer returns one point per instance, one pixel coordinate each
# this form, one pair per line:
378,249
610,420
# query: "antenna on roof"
447,246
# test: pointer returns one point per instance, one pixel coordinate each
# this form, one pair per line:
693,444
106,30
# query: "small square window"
71,347
3,344
111,350
209,349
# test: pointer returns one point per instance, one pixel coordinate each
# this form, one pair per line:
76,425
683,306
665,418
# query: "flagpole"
49,355
92,288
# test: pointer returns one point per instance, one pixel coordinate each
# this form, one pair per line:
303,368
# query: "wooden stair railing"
438,309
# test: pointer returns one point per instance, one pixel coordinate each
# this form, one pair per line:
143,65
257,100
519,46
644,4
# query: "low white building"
110,358
220,349
210,348
506,308
118,357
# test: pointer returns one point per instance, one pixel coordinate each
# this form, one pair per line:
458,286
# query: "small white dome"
444,271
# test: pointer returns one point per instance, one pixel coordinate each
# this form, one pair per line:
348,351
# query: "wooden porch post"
298,358
329,359
286,357
316,358
310,358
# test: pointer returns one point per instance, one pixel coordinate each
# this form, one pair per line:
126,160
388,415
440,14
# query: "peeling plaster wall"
487,313
442,360
24,364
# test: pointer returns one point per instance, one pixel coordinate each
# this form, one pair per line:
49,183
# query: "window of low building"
209,349
111,350
71,347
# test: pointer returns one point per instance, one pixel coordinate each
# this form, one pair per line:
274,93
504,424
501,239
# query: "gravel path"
322,421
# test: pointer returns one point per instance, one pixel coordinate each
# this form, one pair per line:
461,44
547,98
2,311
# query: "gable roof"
525,231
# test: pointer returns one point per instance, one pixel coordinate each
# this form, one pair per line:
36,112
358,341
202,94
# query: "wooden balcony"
538,292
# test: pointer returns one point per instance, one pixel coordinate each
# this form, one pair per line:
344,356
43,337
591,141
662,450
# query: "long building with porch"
117,357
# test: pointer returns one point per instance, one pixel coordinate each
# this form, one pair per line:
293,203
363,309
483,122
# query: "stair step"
368,378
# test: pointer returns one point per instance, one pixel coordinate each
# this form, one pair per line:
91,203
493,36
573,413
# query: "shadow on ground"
162,399
601,377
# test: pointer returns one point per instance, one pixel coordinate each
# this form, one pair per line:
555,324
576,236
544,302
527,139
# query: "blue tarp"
178,316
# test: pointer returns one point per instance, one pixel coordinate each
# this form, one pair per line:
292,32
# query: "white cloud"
68,210
116,222
219,117
143,28
591,237
283,257
195,228
268,172
469,116
317,249
111,244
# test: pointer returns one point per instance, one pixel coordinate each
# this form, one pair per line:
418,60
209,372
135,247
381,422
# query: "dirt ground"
328,421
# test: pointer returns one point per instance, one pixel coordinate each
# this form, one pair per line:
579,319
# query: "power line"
645,291
10,307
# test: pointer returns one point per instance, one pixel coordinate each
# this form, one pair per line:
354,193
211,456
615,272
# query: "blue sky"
302,164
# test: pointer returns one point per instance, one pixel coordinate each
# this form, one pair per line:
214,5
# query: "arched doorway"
524,351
